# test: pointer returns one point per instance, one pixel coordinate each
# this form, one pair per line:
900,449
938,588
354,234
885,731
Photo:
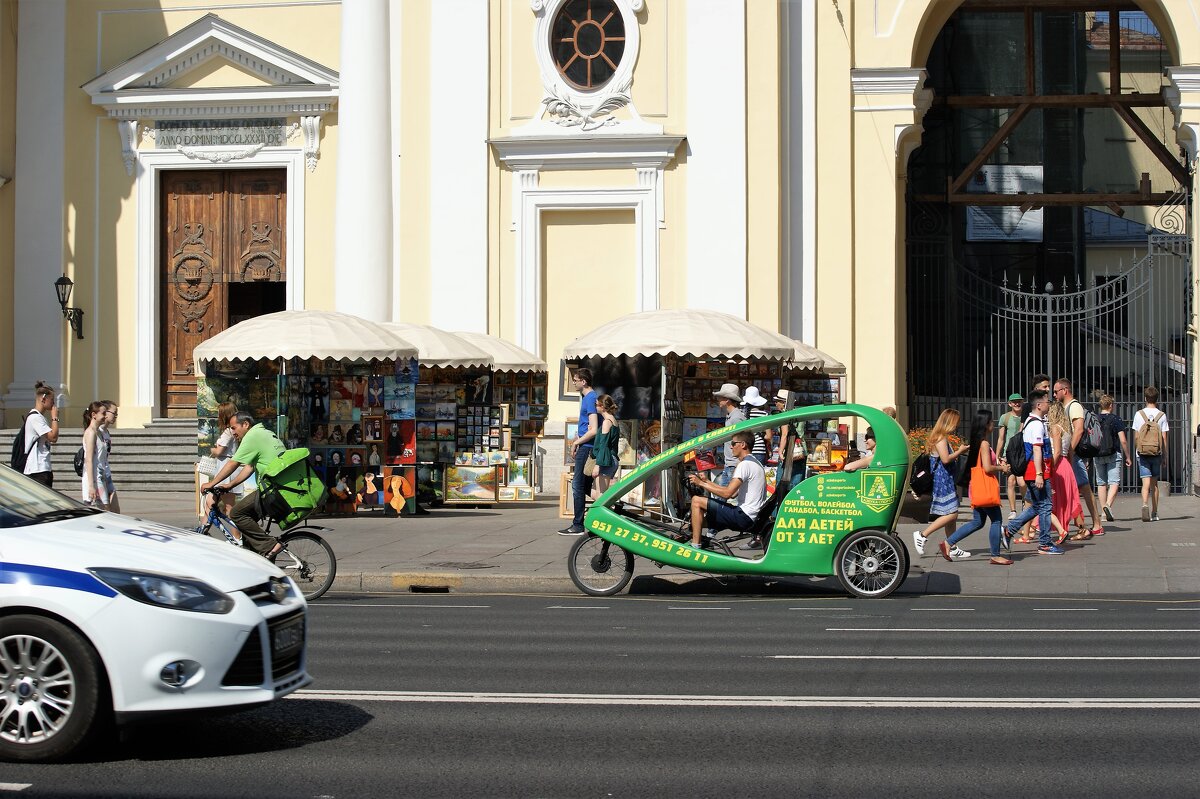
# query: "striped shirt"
760,444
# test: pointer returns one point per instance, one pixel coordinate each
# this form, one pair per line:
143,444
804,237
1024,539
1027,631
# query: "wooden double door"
223,260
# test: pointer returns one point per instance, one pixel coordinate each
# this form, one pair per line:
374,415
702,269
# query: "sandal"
1024,539
1097,531
1082,535
274,552
1000,561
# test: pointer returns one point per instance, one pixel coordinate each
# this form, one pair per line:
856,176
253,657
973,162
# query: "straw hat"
730,392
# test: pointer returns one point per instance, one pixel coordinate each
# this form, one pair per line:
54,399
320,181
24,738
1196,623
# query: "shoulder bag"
985,488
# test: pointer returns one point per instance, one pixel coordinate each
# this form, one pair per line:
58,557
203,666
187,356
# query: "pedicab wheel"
871,564
598,567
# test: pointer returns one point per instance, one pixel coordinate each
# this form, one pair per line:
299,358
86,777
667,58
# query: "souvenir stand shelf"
520,402
341,386
665,389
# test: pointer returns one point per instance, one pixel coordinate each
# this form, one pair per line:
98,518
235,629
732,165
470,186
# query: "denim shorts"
1108,469
1081,475
722,516
1150,466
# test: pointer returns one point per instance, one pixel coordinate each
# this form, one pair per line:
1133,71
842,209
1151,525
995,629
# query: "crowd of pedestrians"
1055,485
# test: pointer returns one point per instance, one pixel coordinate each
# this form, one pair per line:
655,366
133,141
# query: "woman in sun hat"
754,405
729,399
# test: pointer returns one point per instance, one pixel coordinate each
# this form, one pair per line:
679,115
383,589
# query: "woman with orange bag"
984,490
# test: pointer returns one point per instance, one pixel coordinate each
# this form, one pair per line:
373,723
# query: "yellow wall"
588,278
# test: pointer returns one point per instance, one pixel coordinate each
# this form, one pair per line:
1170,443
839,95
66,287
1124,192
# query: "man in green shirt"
256,444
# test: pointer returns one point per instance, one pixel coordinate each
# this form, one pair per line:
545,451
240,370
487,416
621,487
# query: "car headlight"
179,593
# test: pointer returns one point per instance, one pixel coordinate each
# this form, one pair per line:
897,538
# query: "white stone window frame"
149,165
586,109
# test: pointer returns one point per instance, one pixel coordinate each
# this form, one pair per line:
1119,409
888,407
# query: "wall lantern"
62,287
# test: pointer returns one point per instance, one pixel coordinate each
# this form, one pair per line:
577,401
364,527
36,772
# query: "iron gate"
974,341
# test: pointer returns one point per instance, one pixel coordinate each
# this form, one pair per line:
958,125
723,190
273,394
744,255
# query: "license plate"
287,638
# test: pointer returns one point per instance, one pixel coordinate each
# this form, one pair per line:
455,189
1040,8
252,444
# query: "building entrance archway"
1047,215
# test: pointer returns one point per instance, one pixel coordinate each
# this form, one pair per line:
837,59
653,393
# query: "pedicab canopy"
687,333
304,334
506,356
440,348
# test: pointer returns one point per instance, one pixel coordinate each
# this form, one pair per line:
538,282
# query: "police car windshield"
24,502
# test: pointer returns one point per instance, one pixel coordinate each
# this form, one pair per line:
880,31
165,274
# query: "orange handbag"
985,488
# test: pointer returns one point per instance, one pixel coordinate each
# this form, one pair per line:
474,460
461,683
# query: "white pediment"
173,79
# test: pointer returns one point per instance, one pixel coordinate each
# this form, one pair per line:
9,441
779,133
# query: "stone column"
39,329
363,216
888,107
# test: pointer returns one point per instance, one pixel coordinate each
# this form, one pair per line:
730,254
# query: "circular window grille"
588,40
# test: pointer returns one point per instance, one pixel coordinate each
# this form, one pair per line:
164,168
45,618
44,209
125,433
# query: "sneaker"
1154,516
753,543
959,553
919,542
1108,517
1145,513
1049,549
572,530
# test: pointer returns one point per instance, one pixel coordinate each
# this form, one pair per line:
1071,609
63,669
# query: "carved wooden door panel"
221,230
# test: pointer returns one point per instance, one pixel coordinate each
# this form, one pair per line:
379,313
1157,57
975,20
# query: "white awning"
507,357
687,333
439,348
807,357
304,334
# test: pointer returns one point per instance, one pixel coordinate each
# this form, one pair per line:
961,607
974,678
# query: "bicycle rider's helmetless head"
241,424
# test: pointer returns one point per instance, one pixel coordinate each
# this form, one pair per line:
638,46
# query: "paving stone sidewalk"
517,549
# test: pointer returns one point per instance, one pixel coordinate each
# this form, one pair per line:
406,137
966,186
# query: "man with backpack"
31,449
1037,455
1150,443
257,446
1077,415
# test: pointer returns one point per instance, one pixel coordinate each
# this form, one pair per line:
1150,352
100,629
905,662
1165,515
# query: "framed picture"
565,507
506,494
570,433
525,494
372,428
497,457
519,472
470,485
445,431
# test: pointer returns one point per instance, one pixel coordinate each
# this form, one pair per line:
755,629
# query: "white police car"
106,617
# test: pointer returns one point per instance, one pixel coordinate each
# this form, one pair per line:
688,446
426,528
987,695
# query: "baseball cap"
1015,397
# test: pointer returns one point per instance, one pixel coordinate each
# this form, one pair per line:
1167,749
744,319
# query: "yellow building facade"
526,168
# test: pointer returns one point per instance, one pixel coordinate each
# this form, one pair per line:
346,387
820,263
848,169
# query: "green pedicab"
834,523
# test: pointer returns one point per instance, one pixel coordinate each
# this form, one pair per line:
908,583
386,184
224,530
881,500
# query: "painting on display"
470,484
399,489
519,472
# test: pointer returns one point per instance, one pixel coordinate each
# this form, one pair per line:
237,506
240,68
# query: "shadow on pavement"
286,724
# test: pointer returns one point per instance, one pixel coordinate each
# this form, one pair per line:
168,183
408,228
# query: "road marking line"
980,657
577,607
992,630
14,786
1185,610
942,610
1065,610
706,700
669,607
808,608
393,605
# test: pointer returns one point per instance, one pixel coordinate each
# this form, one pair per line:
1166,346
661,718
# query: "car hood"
110,540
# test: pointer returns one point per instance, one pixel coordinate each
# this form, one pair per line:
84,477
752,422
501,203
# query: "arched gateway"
1048,214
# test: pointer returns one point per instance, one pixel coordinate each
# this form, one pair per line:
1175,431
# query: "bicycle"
305,557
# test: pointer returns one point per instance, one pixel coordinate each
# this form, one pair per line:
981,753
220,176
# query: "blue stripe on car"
14,573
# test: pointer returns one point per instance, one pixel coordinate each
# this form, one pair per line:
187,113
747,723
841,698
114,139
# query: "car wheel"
50,689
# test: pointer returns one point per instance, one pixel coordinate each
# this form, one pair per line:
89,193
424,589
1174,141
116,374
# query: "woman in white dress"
97,484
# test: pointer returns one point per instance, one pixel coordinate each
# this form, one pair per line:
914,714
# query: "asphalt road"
486,695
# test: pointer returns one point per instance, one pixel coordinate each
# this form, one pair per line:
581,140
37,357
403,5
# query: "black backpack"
1091,443
1014,452
1108,439
20,452
78,462
921,481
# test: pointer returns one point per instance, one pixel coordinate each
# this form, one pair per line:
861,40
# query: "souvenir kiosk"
461,454
661,367
520,392
342,386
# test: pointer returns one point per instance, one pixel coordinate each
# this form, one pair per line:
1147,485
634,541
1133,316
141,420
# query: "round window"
588,40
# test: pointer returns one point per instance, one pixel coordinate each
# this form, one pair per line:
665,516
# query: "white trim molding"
894,89
528,157
149,163
568,110
139,88
1184,81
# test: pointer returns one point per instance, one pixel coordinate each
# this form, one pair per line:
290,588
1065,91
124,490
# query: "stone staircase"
158,457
